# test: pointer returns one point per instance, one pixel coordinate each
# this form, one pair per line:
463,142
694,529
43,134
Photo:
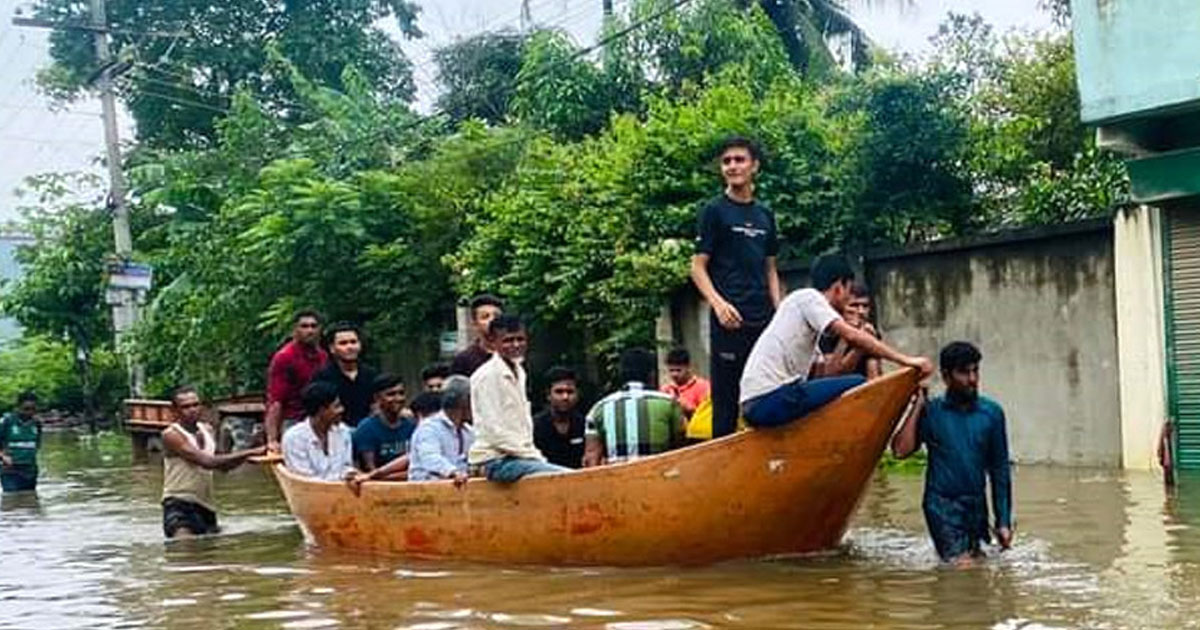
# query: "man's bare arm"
874,347
175,443
726,313
774,284
272,424
904,442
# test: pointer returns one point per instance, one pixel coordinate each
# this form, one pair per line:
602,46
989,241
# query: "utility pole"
608,7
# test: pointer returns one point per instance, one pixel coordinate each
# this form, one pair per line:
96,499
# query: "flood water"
1096,549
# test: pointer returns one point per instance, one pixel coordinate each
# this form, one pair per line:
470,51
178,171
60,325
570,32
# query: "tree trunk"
83,364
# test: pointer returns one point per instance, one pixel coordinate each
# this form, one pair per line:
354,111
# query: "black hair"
505,323
426,403
26,396
830,269
437,370
739,142
485,299
558,374
306,312
341,327
860,290
385,381
957,355
318,395
181,390
679,356
638,364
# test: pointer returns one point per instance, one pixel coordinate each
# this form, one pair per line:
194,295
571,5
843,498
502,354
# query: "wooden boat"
758,493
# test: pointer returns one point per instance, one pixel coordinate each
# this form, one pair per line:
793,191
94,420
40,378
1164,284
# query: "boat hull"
767,492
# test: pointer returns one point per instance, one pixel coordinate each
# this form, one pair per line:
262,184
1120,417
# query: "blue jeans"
794,400
19,478
510,469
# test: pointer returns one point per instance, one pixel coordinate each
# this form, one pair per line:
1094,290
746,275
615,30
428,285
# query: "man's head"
27,404
507,337
563,390
306,327
456,398
833,276
485,308
320,399
434,376
639,365
858,307
426,404
739,159
185,402
344,341
959,362
679,366
387,391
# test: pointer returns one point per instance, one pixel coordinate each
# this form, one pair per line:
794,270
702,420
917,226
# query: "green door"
1183,330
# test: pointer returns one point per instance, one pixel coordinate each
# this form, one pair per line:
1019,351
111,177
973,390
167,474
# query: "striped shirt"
635,422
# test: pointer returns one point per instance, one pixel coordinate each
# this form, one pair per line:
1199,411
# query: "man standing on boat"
558,431
291,369
321,446
965,436
353,379
189,459
776,388
504,446
20,439
484,308
734,269
635,421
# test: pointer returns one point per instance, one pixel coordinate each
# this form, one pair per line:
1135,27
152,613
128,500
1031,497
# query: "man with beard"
966,438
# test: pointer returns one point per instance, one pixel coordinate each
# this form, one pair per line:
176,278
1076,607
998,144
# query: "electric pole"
608,7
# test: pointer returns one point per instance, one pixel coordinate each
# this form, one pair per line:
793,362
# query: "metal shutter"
1183,330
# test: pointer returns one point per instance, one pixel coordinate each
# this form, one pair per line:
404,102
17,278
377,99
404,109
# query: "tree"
478,74
186,58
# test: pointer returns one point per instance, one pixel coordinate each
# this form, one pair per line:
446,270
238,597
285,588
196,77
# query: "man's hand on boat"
460,478
922,364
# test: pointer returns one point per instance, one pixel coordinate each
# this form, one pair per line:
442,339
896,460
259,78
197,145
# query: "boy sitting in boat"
839,357
321,446
635,421
775,386
966,438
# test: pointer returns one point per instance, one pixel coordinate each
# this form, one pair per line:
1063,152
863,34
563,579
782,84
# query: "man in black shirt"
484,308
558,431
352,378
734,269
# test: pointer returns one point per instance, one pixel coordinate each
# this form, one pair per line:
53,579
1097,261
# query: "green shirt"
635,422
20,439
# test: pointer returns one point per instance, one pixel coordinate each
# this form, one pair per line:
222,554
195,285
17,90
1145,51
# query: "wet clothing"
469,360
635,422
356,395
690,394
20,439
386,441
564,450
964,446
185,481
292,367
178,513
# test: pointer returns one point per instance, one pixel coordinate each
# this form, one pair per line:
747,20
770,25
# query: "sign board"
448,343
130,276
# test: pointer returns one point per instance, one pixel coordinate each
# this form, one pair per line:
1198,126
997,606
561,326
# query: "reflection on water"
1095,550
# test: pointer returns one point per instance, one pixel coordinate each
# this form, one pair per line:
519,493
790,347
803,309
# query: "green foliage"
478,74
48,368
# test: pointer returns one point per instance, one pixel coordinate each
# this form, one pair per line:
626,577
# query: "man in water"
291,369
500,409
441,442
20,439
685,387
433,376
384,435
189,459
636,420
321,446
775,387
354,379
558,431
734,269
839,357
966,438
484,308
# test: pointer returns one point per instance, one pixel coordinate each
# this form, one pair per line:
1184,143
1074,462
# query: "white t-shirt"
787,348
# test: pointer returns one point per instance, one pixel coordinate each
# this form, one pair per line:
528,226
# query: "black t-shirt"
469,360
564,450
828,343
738,238
355,395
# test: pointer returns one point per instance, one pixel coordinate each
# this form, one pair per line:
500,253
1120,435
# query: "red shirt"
291,369
690,394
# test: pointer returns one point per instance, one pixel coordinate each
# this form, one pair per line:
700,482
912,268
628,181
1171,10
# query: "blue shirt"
387,442
964,445
438,449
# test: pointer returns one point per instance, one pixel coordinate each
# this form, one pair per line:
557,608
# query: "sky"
36,139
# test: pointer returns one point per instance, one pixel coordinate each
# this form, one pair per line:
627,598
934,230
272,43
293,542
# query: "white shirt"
787,348
302,452
500,412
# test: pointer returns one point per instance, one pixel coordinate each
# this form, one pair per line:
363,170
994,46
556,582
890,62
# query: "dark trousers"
795,400
730,349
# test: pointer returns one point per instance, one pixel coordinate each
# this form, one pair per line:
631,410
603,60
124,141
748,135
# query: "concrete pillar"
1137,253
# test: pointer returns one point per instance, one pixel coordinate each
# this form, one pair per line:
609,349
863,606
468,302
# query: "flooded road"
1095,549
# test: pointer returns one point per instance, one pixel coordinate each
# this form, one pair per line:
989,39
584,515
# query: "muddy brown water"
1096,549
